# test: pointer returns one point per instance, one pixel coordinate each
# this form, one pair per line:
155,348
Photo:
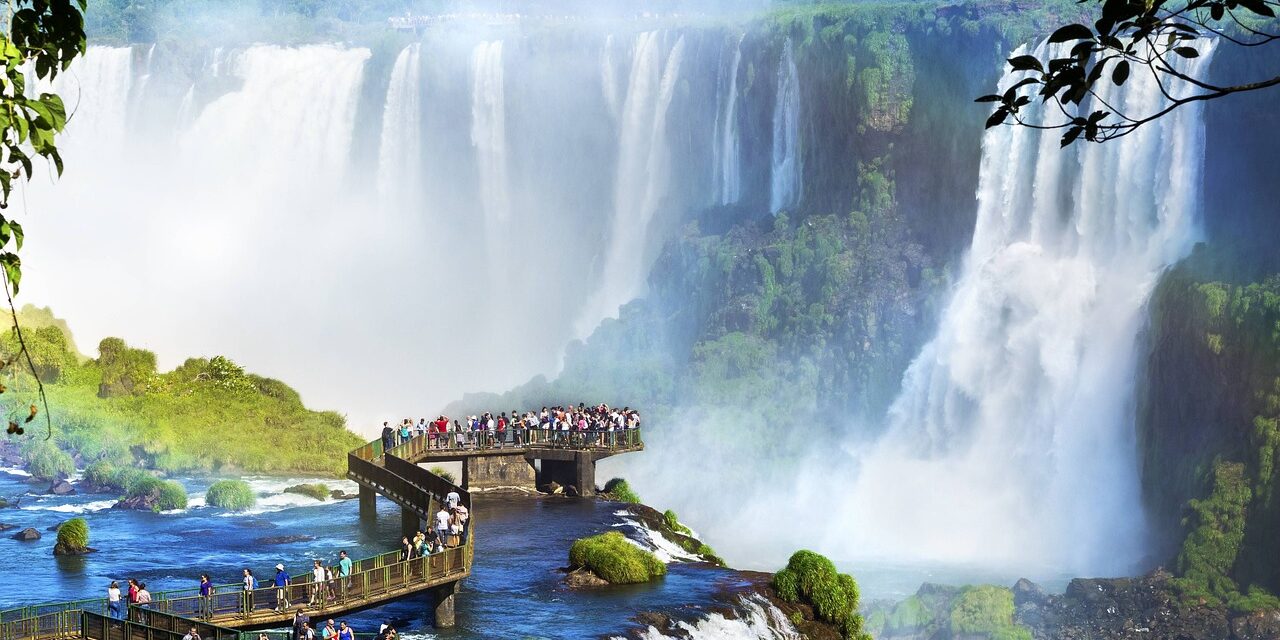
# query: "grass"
74,534
986,611
619,490
168,494
45,461
615,559
316,490
443,473
232,495
673,522
812,578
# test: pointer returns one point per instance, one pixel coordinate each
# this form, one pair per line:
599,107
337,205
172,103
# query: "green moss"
45,461
812,578
443,473
615,559
74,534
1217,528
232,495
908,615
314,490
673,523
619,490
986,609
168,494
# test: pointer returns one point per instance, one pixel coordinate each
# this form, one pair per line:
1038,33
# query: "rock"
6,527
5,503
1027,592
27,535
584,578
317,491
60,549
339,494
53,528
552,488
1260,625
144,502
571,491
285,539
61,488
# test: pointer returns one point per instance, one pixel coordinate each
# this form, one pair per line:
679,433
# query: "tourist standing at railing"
113,600
405,431
345,632
329,632
250,583
144,603
133,591
388,437
300,621
317,583
344,570
281,582
406,549
193,634
502,430
206,596
442,525
307,632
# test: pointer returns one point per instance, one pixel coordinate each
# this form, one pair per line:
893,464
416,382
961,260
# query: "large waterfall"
1013,439
400,148
786,180
728,161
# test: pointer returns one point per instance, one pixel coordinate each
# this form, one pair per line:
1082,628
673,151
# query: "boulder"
339,494
552,488
144,502
27,535
54,527
60,549
580,578
1027,592
6,527
571,491
61,488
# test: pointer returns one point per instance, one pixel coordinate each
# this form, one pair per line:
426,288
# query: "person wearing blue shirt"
281,582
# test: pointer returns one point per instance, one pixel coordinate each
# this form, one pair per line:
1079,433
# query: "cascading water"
1012,441
400,149
489,137
97,97
785,181
727,163
644,165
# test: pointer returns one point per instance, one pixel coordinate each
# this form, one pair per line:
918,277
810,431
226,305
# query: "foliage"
45,461
910,614
168,494
673,523
444,473
988,610
74,534
230,494
619,490
1151,36
812,578
314,490
613,558
125,371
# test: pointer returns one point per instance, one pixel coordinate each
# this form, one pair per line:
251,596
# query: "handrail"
157,627
428,444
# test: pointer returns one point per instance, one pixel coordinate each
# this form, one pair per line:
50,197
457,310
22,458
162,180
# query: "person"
193,634
250,583
344,570
329,632
317,583
404,431
133,591
442,525
406,549
388,440
300,620
206,596
330,591
345,632
451,499
460,517
282,583
113,600
307,632
144,602
419,539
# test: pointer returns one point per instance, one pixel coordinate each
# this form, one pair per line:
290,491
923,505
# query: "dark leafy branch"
39,40
1149,36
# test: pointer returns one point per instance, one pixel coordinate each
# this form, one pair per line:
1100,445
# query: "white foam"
653,541
759,619
87,507
14,471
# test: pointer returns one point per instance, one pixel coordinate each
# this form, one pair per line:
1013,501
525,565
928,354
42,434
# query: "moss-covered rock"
618,489
231,494
616,560
986,611
45,461
73,538
315,490
812,578
153,494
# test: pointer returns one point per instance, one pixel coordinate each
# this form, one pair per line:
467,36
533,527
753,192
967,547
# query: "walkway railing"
514,441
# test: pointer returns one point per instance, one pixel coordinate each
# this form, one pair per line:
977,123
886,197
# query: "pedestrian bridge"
230,613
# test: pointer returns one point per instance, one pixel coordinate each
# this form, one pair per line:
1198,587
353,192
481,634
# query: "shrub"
232,495
74,534
615,559
673,523
621,491
317,490
986,609
443,473
812,578
168,494
45,461
101,473
129,478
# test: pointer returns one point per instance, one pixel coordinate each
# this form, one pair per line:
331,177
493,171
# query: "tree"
1149,36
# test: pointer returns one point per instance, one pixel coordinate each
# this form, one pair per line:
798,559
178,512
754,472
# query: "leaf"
1071,135
1120,73
1071,32
1257,6
32,415
1186,52
997,118
991,98
1217,11
1026,63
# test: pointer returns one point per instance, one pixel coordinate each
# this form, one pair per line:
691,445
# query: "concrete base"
443,596
579,472
368,503
498,472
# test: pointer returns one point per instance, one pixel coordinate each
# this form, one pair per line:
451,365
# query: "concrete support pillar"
410,523
443,596
512,471
368,503
466,476
585,474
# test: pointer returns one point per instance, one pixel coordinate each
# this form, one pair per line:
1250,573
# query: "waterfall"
96,96
400,149
1012,442
727,160
642,176
489,137
785,182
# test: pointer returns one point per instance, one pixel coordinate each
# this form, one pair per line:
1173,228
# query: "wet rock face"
61,549
61,488
584,578
27,535
145,502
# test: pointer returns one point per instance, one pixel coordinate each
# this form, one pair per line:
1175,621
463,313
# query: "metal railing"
514,439
160,627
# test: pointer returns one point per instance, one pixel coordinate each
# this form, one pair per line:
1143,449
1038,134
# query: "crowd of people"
582,425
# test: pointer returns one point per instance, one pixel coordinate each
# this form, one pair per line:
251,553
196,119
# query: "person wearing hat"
282,584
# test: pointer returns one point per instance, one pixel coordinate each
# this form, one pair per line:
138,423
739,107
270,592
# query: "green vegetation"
232,495
673,522
610,556
317,491
166,494
986,611
207,415
443,473
618,489
812,579
73,534
45,461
